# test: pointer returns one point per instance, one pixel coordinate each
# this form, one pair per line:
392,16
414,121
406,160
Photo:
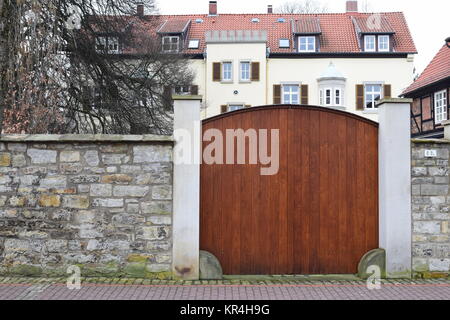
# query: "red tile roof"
174,26
437,70
374,24
338,31
307,26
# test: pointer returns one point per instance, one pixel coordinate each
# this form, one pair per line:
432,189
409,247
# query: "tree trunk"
3,61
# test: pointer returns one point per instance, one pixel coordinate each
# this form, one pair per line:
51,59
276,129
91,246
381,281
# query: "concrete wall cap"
85,138
394,101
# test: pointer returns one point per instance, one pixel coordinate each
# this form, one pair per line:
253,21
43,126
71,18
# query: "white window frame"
380,49
241,71
170,43
291,93
239,106
440,106
372,93
366,48
335,97
194,44
106,42
285,43
325,97
307,44
230,79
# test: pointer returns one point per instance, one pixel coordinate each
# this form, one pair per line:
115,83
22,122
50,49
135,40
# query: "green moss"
435,275
137,258
26,270
135,270
159,275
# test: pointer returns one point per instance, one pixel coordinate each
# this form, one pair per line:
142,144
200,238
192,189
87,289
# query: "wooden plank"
318,215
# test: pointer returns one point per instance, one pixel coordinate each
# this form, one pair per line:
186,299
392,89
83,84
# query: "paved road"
129,290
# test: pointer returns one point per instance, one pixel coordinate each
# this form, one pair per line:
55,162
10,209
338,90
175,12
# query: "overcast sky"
429,20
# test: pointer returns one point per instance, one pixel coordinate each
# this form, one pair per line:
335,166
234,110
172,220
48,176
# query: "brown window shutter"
276,94
194,90
387,91
223,108
216,71
255,71
304,93
359,97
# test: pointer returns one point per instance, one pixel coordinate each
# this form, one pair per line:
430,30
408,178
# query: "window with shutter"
304,94
359,97
255,71
276,94
216,71
387,91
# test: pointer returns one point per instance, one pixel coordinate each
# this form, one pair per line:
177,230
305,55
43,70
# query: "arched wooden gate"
318,215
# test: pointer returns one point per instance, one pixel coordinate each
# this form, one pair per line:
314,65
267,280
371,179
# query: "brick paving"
139,289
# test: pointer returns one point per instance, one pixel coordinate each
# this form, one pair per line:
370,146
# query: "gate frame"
394,158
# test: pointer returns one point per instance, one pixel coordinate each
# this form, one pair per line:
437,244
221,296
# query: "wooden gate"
318,215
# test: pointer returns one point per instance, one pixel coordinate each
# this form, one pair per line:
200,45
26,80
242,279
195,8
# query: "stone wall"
431,208
103,203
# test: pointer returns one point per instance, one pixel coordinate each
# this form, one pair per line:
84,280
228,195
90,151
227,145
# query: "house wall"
423,119
102,204
398,72
357,71
431,208
220,93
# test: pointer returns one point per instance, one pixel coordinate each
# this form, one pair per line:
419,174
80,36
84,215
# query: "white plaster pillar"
186,188
446,125
395,185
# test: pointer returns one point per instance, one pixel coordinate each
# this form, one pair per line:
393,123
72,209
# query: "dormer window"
171,44
370,43
377,43
108,45
307,44
383,43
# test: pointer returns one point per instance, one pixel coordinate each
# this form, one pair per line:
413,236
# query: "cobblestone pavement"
285,289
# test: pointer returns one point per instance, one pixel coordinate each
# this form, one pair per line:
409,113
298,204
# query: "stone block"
156,207
19,160
5,159
155,233
101,190
91,158
111,159
39,156
130,191
210,268
434,190
427,227
108,203
76,202
55,182
149,154
49,201
162,192
117,179
439,265
69,156
160,220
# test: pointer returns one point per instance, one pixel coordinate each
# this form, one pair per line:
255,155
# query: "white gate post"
186,186
395,185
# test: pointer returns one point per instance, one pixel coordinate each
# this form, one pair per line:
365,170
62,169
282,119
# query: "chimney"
352,6
140,10
269,8
213,8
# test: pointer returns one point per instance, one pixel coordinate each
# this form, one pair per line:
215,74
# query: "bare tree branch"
302,6
88,66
